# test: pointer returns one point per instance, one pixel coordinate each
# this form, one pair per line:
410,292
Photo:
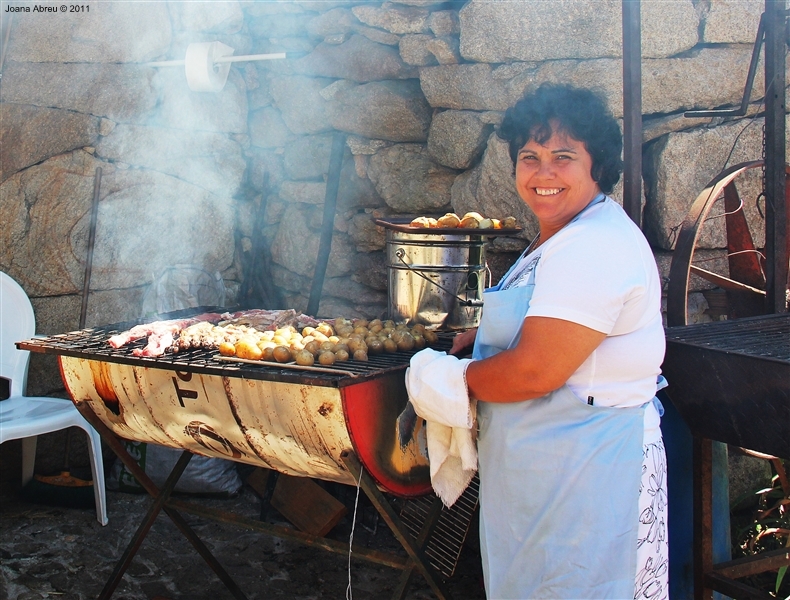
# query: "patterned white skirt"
652,554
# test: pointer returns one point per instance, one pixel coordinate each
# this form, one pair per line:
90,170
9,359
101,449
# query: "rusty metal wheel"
744,288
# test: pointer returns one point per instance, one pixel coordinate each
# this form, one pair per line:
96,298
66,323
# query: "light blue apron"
559,482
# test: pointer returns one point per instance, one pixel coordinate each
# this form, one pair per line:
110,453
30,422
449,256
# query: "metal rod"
632,110
752,565
747,89
702,465
288,366
328,224
375,556
145,525
735,589
6,38
86,283
776,212
395,524
134,468
220,60
205,553
249,57
400,253
428,527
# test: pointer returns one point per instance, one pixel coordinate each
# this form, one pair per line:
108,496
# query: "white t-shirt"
599,271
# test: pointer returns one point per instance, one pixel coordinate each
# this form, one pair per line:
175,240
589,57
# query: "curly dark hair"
581,113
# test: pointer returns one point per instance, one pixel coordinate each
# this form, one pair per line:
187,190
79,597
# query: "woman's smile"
547,191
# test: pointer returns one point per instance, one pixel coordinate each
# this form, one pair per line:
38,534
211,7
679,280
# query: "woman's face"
554,179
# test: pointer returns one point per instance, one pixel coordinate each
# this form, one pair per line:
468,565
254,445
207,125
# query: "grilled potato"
450,220
423,222
326,358
227,349
471,220
304,358
246,348
282,354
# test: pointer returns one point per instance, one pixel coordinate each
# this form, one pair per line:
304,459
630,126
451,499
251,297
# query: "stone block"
444,22
347,288
370,268
704,79
355,190
307,192
301,105
267,129
181,108
393,18
457,138
112,32
409,180
498,32
146,221
31,134
679,166
295,245
414,50
445,49
282,24
264,169
307,157
224,17
358,59
119,92
490,189
475,86
365,234
707,78
333,21
732,21
387,110
377,35
209,160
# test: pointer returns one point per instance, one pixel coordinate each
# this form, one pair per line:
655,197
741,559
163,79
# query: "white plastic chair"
29,416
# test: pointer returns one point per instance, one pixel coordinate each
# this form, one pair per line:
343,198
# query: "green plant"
761,522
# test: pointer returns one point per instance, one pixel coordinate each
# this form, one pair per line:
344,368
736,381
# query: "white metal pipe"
219,60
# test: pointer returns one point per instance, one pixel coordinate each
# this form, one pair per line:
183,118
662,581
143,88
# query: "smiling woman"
565,368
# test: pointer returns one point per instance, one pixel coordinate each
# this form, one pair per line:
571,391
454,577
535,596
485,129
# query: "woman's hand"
464,340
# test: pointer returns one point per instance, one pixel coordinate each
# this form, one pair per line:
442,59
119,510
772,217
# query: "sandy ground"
60,553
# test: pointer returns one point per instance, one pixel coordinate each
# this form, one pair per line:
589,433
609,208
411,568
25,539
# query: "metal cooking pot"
436,280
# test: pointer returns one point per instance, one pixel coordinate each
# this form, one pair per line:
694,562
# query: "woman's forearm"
548,353
503,378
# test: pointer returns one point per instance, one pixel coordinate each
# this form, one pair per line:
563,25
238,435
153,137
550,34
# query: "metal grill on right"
730,381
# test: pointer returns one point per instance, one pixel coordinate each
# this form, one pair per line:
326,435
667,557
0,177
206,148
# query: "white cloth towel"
436,384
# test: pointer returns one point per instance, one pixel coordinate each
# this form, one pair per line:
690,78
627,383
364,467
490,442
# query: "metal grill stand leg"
145,526
159,504
427,529
413,549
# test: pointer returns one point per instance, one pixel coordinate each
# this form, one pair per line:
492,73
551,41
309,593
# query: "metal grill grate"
766,337
444,546
92,344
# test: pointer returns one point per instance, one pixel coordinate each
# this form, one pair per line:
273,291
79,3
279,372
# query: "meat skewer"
158,328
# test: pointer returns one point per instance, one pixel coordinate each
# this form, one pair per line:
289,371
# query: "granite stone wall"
418,87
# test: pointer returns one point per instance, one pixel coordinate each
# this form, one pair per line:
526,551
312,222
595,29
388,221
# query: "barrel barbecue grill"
335,423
